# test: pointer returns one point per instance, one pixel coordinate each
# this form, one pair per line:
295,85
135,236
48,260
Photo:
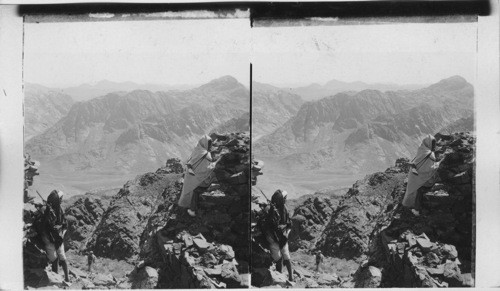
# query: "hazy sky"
388,53
160,51
197,51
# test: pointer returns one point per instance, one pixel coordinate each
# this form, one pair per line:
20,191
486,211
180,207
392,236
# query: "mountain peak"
452,83
224,80
223,83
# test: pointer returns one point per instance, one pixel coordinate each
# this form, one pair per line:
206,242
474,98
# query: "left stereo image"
137,151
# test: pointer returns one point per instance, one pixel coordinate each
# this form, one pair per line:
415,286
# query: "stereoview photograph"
136,151
363,150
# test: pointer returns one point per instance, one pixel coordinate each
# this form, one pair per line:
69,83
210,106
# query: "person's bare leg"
279,265
193,208
55,266
64,264
288,265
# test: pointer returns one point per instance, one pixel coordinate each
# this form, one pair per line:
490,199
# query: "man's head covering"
55,198
428,141
204,142
200,151
278,200
424,150
284,193
54,202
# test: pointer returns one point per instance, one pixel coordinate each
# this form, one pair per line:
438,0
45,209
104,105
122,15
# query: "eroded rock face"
309,220
368,205
83,217
119,232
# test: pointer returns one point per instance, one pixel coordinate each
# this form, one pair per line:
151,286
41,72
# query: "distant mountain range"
88,91
138,130
271,108
316,91
365,131
43,107
134,131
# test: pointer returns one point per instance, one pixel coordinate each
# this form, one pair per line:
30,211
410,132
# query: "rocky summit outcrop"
119,231
210,250
435,248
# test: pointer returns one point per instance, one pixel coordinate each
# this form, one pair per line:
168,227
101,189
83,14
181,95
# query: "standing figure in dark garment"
278,227
54,227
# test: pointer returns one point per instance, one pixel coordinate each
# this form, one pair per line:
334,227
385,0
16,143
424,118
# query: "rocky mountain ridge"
139,130
89,91
367,130
317,91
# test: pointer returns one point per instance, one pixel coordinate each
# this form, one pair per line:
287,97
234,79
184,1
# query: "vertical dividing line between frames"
250,182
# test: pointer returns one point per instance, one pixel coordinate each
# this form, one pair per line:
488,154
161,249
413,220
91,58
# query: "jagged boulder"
367,206
309,220
118,235
144,278
104,280
83,216
368,277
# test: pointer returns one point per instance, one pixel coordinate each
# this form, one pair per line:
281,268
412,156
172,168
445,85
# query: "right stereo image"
363,154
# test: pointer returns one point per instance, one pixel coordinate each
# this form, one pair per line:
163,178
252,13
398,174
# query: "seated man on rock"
422,173
199,173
